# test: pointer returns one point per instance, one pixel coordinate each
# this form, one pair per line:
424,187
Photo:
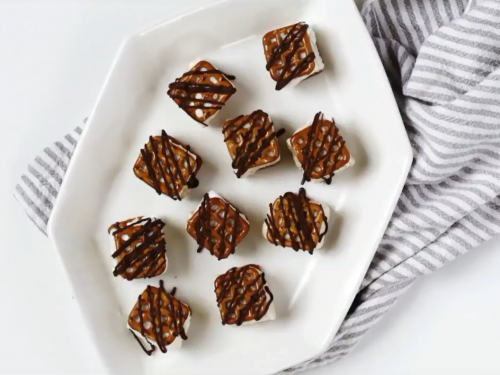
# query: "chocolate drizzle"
167,315
298,228
292,39
147,258
242,295
254,143
316,157
185,89
164,169
219,237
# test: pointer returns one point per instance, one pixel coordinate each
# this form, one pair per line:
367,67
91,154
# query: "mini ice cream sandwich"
158,318
252,142
168,166
291,54
296,221
217,225
243,296
202,91
139,248
319,150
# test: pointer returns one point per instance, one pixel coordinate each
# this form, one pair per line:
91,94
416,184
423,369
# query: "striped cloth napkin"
442,58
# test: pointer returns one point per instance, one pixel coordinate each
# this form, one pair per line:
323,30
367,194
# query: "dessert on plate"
291,54
252,142
217,225
168,166
296,221
202,91
158,318
319,150
243,296
139,248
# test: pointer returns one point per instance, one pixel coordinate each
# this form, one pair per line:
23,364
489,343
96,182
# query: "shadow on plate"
177,248
335,225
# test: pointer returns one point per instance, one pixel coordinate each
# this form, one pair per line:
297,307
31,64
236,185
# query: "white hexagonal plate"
312,293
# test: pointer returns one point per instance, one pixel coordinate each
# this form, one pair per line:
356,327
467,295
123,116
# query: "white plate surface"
312,293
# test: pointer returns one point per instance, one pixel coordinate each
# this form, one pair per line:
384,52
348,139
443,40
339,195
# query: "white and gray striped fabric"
443,60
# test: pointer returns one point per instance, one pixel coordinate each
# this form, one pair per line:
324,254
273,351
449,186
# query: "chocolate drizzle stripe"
153,314
235,231
199,225
192,87
216,104
210,71
306,149
222,244
287,225
147,351
149,260
285,43
272,226
302,65
174,191
166,141
240,126
183,91
147,160
141,322
144,228
117,229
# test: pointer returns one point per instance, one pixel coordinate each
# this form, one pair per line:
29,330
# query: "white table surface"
53,58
